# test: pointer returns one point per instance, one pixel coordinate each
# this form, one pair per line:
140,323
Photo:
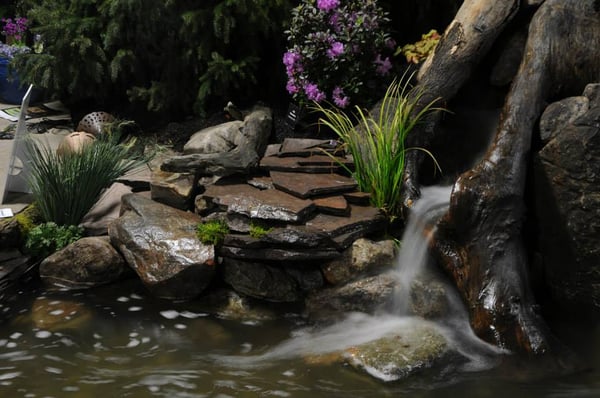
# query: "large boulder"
86,263
160,244
567,176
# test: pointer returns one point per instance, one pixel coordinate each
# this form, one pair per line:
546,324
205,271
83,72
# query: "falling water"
413,257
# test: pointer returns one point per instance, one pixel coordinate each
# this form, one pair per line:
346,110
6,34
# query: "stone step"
309,185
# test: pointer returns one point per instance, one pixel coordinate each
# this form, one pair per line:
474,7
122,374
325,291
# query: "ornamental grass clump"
65,186
338,51
377,144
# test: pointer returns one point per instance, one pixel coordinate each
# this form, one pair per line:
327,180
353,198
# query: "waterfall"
359,328
413,256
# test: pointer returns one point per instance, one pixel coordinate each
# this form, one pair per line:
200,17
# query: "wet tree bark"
479,241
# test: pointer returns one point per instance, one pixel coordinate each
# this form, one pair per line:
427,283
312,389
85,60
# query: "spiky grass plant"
66,186
377,144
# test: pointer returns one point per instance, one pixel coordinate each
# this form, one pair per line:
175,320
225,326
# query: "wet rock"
247,148
308,277
298,236
560,114
173,189
261,281
362,258
428,299
567,176
270,204
364,295
305,185
54,315
261,182
13,266
399,355
160,244
86,263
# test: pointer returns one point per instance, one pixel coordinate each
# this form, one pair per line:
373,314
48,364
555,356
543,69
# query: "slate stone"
214,139
243,241
358,198
308,185
362,220
298,236
305,146
560,114
335,205
324,160
272,150
173,189
278,254
270,204
291,164
261,182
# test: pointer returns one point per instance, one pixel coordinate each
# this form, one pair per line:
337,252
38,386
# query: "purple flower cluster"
15,28
336,51
327,5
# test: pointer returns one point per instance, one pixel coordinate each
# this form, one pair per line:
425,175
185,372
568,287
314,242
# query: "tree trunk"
465,42
480,241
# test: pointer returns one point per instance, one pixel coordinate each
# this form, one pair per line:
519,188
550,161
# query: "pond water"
116,341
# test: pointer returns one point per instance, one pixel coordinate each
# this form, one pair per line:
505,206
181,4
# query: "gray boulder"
567,193
160,244
560,114
401,354
363,295
86,263
362,258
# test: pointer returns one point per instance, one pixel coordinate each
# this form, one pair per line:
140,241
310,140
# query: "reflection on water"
118,344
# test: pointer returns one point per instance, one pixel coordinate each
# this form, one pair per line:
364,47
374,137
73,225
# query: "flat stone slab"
362,220
289,237
305,146
293,164
269,204
280,255
308,185
261,182
336,205
358,198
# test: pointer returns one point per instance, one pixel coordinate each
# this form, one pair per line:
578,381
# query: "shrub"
47,238
165,56
66,186
377,145
212,232
337,51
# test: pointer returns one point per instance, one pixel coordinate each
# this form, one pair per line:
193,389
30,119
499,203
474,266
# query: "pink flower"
383,65
313,93
327,5
339,98
291,87
336,49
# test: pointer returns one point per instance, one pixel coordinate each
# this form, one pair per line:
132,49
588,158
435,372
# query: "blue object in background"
10,90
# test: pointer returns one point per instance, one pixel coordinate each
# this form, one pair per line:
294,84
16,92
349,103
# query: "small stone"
335,205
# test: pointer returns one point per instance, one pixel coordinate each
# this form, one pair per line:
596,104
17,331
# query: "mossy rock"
13,230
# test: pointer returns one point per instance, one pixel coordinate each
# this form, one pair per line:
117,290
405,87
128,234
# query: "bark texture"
480,240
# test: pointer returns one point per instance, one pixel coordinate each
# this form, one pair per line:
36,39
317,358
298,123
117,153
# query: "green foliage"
65,186
378,144
170,56
47,238
258,230
419,51
212,232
